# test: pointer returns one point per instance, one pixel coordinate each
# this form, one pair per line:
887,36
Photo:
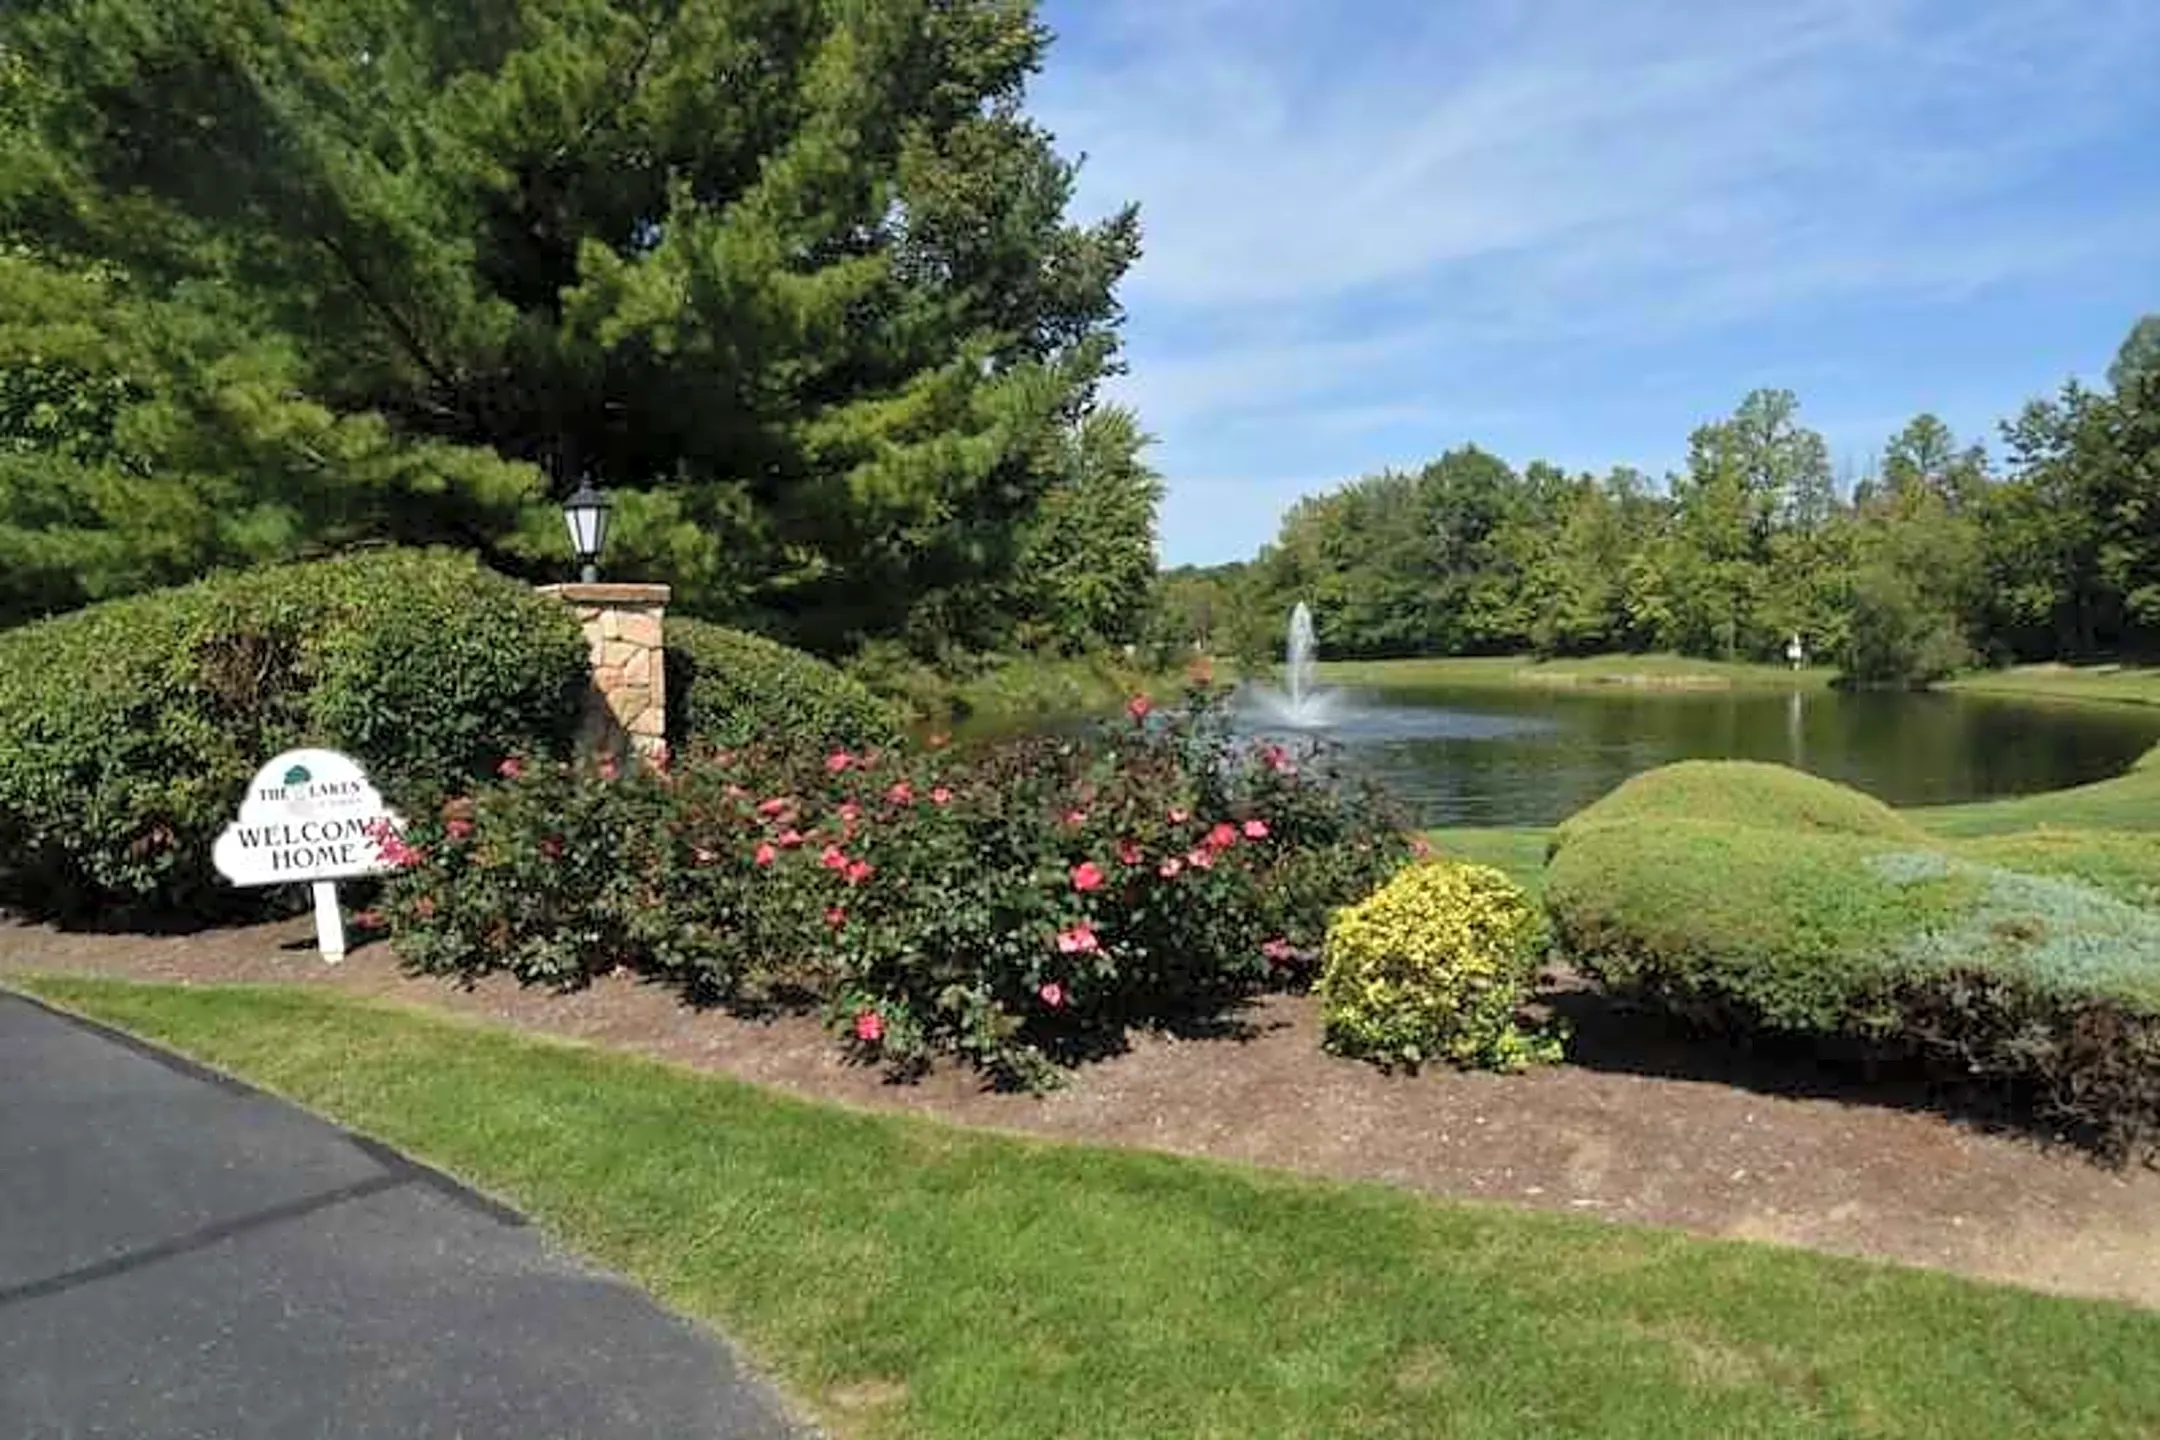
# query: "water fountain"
1301,703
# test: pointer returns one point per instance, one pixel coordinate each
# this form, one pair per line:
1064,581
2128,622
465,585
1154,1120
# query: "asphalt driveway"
181,1257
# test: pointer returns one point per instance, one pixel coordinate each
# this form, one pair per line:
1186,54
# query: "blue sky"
1576,229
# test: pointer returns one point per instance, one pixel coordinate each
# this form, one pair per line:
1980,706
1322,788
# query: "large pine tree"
793,277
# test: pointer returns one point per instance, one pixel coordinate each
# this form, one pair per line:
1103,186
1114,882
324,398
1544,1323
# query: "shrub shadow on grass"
1617,1033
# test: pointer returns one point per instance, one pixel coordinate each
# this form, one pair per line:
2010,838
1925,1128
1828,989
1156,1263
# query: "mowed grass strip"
908,1278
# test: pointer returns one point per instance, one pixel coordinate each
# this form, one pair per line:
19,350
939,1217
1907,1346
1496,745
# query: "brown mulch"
1640,1127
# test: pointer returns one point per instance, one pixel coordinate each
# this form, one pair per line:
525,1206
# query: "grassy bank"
2091,684
1658,672
2086,684
2128,802
908,1278
1518,852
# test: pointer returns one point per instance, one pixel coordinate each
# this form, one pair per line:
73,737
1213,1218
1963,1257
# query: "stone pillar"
626,712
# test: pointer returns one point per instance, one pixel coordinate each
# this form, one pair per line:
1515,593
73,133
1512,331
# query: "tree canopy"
1930,561
793,277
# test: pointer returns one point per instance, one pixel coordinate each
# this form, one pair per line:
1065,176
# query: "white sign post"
312,818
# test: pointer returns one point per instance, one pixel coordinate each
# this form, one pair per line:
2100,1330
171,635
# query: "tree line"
793,280
1936,559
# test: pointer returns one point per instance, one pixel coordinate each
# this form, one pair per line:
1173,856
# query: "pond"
1481,756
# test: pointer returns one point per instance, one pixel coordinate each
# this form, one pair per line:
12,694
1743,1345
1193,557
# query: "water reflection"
1531,757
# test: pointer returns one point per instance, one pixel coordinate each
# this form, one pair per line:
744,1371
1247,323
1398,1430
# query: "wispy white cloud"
1356,208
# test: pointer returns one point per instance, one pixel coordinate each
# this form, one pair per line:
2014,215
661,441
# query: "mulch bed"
1642,1126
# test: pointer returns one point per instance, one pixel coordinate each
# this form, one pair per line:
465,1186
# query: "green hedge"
2027,962
1747,793
729,688
128,730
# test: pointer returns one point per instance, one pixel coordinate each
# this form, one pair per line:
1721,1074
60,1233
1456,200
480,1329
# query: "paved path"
183,1257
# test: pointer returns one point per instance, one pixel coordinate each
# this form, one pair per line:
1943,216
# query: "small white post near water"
310,817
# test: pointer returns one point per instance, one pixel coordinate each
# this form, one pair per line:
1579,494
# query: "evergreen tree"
791,276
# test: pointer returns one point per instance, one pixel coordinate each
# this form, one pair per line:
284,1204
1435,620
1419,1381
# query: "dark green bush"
1747,793
728,688
2041,987
128,730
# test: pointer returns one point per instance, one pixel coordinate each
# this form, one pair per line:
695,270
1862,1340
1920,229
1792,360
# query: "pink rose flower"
1256,830
1179,817
869,1027
901,793
835,917
1053,995
1087,875
1279,951
833,858
1139,706
766,854
778,805
551,848
458,829
1128,853
859,871
1222,837
1201,858
838,761
941,796
511,768
1076,818
1171,868
790,839
1079,940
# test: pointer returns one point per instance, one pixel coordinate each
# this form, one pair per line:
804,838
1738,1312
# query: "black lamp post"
586,513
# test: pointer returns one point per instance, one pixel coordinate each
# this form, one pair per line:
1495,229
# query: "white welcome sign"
310,817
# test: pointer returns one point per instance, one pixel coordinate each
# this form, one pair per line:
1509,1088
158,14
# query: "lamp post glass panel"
586,513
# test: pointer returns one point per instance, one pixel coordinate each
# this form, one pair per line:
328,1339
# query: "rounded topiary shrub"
729,688
1434,966
128,730
1741,792
2038,985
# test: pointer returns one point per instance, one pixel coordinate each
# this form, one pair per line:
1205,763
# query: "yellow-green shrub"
1433,966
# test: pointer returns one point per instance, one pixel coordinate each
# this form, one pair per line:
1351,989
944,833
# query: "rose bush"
1017,905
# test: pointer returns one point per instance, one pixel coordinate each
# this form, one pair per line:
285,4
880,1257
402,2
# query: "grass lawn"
1652,671
907,1278
2114,684
2128,802
1517,852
